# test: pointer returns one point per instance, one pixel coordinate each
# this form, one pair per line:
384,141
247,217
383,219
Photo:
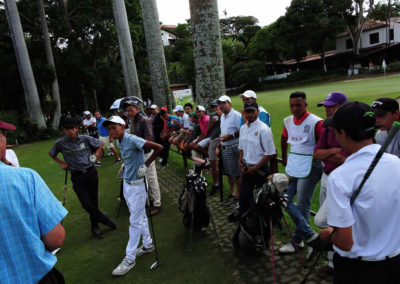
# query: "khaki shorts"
107,143
212,149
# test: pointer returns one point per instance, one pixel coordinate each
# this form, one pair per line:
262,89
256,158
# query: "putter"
155,264
65,191
392,133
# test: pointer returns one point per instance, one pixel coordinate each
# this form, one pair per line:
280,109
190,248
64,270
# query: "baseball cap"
7,126
355,117
69,123
201,108
86,112
178,108
153,106
193,114
334,98
214,103
250,105
113,119
248,94
131,101
382,105
224,98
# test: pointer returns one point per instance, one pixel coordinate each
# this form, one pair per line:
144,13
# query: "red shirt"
298,121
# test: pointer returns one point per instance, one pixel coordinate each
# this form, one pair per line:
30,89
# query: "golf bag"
254,232
193,202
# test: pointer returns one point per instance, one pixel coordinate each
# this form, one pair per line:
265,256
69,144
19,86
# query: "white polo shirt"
374,216
256,141
230,124
186,121
89,121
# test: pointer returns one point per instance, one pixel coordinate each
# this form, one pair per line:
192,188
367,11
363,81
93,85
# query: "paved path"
244,268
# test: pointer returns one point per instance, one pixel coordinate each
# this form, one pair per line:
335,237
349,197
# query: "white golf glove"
141,171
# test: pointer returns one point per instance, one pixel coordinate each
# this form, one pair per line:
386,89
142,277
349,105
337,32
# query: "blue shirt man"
102,130
28,211
263,115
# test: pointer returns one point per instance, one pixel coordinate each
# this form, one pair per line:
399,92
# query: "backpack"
193,202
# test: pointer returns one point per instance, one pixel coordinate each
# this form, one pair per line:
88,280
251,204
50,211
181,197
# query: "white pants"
135,196
152,182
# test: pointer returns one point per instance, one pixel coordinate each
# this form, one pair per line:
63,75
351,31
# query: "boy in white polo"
366,240
131,147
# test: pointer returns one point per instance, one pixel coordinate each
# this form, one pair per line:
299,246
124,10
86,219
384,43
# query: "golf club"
392,133
155,264
65,190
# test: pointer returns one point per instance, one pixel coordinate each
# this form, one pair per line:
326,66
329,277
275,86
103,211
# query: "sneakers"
231,198
143,250
97,164
117,161
289,248
235,204
123,267
97,233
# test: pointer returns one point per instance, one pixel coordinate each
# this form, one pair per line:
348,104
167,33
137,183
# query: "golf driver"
155,264
392,133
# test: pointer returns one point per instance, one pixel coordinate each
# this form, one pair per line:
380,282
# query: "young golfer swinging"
135,194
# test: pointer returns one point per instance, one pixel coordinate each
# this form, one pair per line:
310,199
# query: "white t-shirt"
256,141
230,124
89,121
186,121
374,215
12,157
394,146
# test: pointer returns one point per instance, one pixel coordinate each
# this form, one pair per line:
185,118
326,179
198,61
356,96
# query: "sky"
173,12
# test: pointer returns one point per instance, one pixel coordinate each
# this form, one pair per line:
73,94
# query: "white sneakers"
289,247
123,267
143,250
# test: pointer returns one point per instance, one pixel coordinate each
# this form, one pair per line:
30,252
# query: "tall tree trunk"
155,52
24,65
126,49
96,104
55,93
207,51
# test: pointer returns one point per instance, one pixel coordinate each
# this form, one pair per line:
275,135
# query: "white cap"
153,106
201,108
86,112
178,108
113,119
281,181
248,94
224,98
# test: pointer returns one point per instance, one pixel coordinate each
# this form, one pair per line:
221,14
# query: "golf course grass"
84,259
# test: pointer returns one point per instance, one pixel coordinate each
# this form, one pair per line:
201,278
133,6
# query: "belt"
379,259
84,171
134,182
230,146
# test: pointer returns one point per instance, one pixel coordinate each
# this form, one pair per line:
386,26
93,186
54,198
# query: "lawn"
86,260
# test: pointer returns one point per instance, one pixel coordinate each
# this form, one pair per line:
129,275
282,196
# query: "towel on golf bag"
193,202
253,231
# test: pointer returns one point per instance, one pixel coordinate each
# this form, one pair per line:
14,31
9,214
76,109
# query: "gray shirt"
76,153
216,131
394,146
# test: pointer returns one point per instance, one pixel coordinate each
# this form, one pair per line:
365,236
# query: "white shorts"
107,143
205,142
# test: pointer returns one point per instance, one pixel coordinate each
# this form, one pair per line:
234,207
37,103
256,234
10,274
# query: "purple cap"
334,98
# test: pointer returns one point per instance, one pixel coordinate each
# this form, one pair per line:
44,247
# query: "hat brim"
106,123
327,103
7,126
380,111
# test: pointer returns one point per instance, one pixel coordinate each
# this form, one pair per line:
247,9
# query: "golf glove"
141,171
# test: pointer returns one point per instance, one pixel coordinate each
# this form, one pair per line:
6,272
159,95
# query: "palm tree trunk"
207,51
126,49
55,93
24,65
155,52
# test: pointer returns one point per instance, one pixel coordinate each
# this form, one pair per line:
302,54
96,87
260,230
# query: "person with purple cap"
10,158
329,151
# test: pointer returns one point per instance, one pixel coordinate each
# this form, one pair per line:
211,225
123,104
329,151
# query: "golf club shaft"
151,219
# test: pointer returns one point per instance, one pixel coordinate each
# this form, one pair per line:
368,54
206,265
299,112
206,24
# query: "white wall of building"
167,37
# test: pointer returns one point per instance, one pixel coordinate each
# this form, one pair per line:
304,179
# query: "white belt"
135,182
379,259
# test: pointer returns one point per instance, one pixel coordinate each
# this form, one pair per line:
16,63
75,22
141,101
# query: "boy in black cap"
367,236
76,150
386,112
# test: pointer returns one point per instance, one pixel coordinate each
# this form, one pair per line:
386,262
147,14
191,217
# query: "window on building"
374,38
349,43
391,34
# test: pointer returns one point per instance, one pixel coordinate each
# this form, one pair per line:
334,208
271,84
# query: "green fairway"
84,259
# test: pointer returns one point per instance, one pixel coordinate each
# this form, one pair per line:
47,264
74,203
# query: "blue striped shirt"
28,210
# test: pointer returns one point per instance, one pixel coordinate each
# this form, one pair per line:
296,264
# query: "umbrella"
116,104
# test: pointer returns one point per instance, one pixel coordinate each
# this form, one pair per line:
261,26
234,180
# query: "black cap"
214,103
69,123
382,105
250,105
356,119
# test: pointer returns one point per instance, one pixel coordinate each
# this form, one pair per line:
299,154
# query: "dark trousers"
355,271
249,183
86,188
53,277
165,152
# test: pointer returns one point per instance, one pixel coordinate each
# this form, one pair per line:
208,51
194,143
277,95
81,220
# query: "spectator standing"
105,138
331,153
263,115
301,130
366,241
230,127
76,150
30,226
214,131
386,112
135,195
141,127
89,124
11,157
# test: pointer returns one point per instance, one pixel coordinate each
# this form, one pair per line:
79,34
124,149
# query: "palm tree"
50,61
207,51
126,49
24,65
155,52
